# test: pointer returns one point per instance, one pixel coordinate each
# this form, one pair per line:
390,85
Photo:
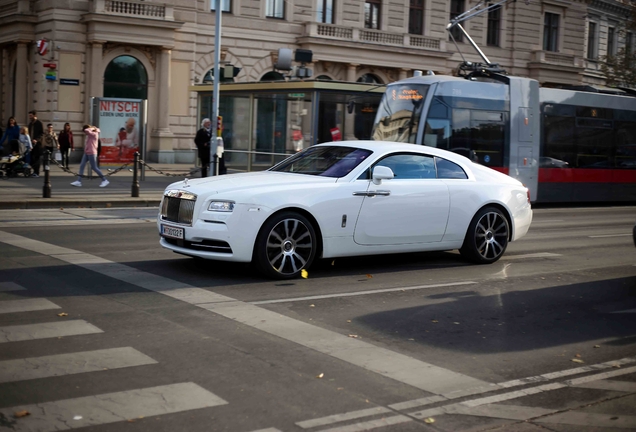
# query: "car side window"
410,166
449,170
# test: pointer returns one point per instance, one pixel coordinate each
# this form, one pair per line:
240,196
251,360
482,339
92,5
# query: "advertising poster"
121,126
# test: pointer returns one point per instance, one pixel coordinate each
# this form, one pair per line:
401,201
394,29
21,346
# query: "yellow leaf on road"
63,314
19,414
429,420
434,321
320,376
304,274
575,360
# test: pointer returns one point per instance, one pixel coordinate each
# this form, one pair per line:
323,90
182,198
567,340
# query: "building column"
95,85
402,74
161,147
349,128
21,84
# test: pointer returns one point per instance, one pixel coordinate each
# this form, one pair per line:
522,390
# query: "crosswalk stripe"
10,286
46,330
26,305
72,363
111,407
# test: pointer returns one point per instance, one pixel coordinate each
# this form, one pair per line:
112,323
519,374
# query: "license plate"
174,232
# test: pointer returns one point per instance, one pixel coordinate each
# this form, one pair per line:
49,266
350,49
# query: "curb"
47,203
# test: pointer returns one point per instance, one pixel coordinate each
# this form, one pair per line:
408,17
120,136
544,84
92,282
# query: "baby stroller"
15,163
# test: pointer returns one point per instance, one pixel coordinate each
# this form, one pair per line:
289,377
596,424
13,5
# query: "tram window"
626,144
558,139
449,170
594,147
480,131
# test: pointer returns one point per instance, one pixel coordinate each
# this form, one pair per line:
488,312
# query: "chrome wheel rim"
289,246
491,235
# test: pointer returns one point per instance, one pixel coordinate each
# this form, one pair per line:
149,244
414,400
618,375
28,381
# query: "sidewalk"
26,193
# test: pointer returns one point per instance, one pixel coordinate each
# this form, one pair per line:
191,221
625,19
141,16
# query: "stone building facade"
351,40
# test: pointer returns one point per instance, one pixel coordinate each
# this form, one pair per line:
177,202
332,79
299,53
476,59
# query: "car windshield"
324,161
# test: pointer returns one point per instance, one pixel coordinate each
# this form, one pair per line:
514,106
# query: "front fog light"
221,206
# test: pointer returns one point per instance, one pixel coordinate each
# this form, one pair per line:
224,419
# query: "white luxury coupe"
344,199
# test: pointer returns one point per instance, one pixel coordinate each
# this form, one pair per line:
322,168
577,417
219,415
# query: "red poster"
119,125
335,134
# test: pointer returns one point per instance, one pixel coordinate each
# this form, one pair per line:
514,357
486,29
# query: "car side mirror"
382,173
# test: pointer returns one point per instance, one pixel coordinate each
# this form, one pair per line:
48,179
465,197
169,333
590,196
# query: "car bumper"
219,237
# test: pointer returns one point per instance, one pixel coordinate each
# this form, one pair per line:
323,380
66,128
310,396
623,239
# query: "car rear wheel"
487,236
285,246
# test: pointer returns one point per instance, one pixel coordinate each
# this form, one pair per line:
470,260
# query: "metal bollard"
135,183
46,189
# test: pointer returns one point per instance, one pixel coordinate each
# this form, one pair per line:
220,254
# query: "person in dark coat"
36,130
11,133
65,139
202,141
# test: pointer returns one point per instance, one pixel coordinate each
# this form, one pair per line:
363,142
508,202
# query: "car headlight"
221,206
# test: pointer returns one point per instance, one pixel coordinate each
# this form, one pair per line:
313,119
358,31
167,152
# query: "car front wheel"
285,245
487,236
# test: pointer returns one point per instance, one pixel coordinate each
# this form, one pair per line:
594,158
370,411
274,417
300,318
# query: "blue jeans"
92,159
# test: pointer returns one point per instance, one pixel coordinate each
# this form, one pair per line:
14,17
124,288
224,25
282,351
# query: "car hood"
241,186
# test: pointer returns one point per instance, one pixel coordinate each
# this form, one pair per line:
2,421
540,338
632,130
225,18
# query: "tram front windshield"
399,113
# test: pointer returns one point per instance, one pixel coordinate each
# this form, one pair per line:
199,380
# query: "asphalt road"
102,329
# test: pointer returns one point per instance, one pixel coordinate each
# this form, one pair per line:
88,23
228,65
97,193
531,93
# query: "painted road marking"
610,235
27,305
591,420
626,311
399,367
46,330
372,424
532,255
76,222
72,363
10,286
111,407
509,412
619,386
337,418
601,376
359,293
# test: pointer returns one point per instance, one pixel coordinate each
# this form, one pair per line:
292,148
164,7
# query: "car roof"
388,146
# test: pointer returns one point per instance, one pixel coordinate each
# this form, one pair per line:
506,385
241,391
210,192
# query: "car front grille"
178,206
205,245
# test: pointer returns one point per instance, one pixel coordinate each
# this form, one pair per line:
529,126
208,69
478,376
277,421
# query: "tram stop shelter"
265,122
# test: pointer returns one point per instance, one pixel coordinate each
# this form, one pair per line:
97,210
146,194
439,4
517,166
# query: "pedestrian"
25,143
65,139
36,130
49,140
11,133
90,155
202,141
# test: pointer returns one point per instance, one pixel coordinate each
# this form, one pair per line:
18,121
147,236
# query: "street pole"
217,79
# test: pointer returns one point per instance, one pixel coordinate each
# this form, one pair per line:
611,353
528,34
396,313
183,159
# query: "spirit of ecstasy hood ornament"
185,182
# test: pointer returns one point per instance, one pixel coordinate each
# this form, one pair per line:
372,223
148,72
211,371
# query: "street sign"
296,95
67,81
50,65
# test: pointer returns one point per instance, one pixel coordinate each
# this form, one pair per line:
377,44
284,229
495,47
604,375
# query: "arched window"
323,78
369,79
126,77
273,76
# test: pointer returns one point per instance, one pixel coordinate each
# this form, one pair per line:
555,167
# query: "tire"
487,236
286,245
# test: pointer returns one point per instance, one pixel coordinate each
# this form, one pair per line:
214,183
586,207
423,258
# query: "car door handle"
372,193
